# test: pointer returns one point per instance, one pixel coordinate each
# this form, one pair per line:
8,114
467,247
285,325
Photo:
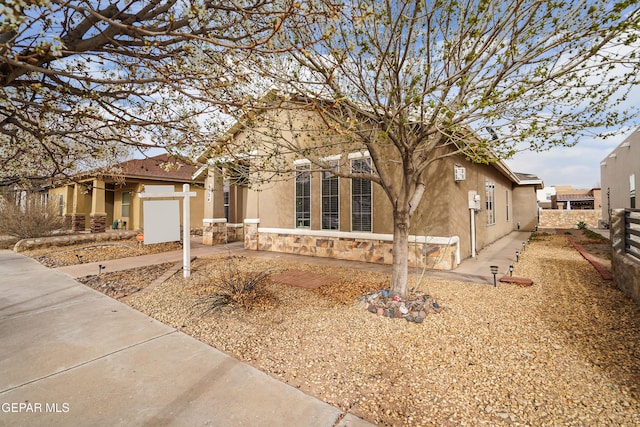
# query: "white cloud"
578,166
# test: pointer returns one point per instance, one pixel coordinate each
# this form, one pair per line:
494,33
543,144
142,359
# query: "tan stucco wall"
525,208
67,195
443,211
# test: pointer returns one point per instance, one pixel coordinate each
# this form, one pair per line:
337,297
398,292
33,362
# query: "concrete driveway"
73,356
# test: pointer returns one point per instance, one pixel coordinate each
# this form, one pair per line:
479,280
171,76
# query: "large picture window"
303,196
330,207
361,196
490,196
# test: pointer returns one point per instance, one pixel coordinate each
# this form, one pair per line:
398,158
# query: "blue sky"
578,166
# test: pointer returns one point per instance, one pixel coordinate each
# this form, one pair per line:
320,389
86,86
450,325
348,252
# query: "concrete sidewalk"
73,356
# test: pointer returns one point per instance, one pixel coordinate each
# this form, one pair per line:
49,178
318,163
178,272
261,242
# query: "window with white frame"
330,205
490,196
506,192
225,199
126,203
303,195
361,196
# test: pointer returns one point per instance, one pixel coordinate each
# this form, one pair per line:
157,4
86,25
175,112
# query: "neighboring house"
466,206
544,197
570,198
620,175
98,202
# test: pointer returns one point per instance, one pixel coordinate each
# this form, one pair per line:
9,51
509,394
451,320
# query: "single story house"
465,207
99,202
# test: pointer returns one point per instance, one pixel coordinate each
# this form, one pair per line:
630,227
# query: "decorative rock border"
413,309
520,281
599,268
71,239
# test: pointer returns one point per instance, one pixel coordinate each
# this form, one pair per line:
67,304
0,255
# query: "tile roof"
573,197
163,167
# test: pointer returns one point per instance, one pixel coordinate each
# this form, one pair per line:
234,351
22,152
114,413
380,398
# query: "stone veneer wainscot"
366,247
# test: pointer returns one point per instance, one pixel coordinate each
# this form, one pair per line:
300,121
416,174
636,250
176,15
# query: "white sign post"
158,193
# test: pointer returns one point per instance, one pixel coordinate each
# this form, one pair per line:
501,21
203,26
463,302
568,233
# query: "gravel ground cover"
597,246
124,283
94,252
565,351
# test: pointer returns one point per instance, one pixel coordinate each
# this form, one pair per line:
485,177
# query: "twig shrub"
29,217
235,287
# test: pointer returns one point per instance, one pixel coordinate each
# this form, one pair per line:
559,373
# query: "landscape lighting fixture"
511,270
524,245
100,268
517,255
494,271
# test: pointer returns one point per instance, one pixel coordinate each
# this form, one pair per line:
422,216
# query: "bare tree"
414,81
86,80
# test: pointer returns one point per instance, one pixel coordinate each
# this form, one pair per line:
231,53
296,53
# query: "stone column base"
98,223
214,231
251,234
77,222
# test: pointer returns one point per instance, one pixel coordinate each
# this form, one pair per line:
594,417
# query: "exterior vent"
459,173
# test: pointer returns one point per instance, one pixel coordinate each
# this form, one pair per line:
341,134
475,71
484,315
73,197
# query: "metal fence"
632,232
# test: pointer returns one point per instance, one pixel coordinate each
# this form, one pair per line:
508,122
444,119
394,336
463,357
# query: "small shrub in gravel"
235,287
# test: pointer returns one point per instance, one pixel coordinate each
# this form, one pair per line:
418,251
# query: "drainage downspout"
472,213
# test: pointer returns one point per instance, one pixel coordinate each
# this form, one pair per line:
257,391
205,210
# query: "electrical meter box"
474,200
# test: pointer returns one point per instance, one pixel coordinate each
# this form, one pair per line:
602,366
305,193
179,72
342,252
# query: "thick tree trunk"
400,270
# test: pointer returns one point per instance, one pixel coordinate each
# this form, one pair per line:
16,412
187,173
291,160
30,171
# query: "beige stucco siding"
525,208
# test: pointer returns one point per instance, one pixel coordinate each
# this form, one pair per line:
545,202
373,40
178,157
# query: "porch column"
98,211
78,218
135,216
67,213
214,194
